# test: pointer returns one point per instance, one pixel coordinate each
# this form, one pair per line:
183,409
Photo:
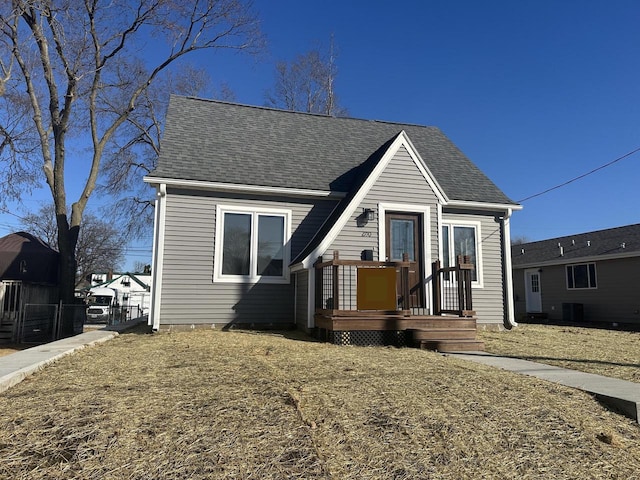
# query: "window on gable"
252,245
460,240
581,276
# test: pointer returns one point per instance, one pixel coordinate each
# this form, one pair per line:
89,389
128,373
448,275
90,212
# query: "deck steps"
453,338
443,334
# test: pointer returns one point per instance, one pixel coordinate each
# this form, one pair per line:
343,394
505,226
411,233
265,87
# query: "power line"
582,176
4,210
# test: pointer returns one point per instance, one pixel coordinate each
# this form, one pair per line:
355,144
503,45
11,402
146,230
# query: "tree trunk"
67,240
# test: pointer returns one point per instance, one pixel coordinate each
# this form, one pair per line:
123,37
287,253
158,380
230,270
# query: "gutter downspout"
508,271
158,256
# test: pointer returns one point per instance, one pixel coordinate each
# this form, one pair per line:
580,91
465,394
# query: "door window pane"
402,239
535,283
270,245
237,244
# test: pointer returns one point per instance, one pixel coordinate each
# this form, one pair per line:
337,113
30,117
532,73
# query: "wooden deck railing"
345,287
359,287
452,288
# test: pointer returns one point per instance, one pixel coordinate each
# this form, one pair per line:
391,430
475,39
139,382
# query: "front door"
404,235
533,292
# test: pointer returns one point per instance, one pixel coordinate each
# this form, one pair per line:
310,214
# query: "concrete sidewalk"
619,394
17,366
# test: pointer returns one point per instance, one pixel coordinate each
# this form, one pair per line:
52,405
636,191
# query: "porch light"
368,213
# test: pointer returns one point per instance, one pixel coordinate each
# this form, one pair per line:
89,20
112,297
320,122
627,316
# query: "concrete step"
450,346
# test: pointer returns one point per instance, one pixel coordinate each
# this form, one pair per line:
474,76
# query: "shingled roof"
212,141
612,242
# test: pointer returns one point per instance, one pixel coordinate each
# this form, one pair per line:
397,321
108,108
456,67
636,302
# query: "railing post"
468,306
437,288
336,282
461,278
404,283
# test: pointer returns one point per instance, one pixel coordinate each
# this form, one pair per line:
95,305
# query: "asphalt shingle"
612,241
215,141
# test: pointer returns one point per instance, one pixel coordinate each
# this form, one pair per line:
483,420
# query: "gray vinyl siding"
189,294
302,297
401,183
488,299
616,298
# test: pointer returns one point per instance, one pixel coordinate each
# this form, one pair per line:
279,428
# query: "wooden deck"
441,333
355,299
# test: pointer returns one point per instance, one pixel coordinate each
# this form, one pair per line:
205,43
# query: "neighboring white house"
133,289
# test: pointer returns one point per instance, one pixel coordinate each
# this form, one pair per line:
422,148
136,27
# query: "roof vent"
561,250
573,242
588,243
623,245
522,251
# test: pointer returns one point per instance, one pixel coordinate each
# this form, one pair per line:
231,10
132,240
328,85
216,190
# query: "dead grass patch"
9,348
603,352
244,405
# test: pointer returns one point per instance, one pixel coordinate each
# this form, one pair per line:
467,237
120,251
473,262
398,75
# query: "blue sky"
534,92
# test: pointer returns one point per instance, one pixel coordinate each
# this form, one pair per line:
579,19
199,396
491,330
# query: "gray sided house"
249,198
590,277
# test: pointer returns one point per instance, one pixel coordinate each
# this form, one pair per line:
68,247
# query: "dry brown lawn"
241,405
603,352
9,348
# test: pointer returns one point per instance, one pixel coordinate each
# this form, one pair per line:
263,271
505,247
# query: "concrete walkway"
619,394
17,366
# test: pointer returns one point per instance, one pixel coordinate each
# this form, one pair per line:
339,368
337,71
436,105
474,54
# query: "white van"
102,303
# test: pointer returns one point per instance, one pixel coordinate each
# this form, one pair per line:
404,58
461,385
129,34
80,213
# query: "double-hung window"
581,276
252,245
461,239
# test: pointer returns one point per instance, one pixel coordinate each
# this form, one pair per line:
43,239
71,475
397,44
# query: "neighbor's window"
581,276
252,245
460,240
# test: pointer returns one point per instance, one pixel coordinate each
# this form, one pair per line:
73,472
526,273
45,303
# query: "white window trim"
479,282
572,265
218,277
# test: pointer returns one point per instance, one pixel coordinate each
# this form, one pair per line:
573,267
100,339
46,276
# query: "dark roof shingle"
613,241
213,141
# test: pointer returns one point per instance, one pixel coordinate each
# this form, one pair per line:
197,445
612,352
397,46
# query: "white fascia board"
297,267
575,260
252,189
502,207
355,201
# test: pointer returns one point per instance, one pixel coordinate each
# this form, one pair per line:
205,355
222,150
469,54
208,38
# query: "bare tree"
141,267
79,67
307,84
520,239
100,244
